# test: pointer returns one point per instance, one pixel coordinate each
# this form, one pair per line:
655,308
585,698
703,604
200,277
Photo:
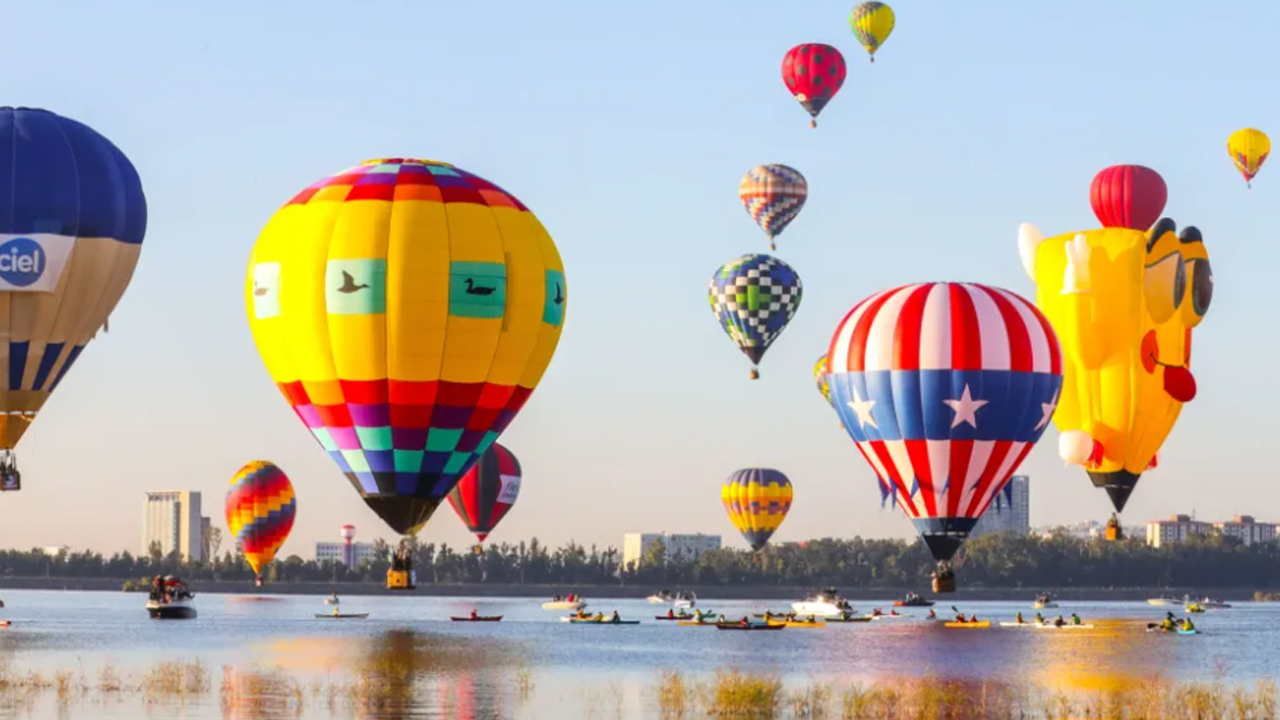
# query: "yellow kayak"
691,623
976,625
798,623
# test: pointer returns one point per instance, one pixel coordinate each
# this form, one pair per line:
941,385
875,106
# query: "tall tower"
348,547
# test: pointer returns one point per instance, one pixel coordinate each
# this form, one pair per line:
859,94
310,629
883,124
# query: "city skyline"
920,170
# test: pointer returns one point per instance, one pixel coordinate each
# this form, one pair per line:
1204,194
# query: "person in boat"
932,615
1075,619
671,614
474,614
1019,619
877,612
1187,625
744,622
1039,619
333,599
1059,621
1167,623
615,617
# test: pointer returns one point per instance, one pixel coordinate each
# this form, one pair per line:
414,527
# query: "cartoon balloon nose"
1180,384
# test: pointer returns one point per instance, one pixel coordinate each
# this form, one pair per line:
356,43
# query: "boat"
1019,624
1164,600
685,616
1178,628
691,623
575,604
849,619
888,616
1208,602
685,600
478,618
1067,626
975,625
749,626
1044,601
332,600
1193,607
171,600
341,616
913,600
1184,631
598,621
661,597
5,623
823,603
799,623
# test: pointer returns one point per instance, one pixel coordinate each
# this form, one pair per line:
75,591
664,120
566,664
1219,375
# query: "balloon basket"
755,374
813,124
1114,532
944,579
400,580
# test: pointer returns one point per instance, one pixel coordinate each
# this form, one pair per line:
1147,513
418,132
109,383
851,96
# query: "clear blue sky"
626,129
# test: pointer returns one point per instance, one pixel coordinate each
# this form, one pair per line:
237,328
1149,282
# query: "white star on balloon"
966,408
1047,409
862,408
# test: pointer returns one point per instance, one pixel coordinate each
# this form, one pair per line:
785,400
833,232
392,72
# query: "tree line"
1001,560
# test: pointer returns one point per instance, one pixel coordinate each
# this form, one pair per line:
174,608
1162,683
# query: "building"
172,519
636,546
206,526
1010,510
348,534
334,551
1244,529
1176,529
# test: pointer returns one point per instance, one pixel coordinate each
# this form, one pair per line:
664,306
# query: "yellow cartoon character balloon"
406,309
1123,303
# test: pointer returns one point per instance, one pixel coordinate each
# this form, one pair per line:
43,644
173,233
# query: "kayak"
1019,624
700,623
918,602
798,623
686,616
482,618
597,621
1183,631
976,625
888,617
753,626
864,618
1068,626
341,616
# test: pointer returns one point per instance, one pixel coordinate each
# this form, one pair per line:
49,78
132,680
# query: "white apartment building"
1010,510
636,545
333,551
172,518
1176,529
1246,530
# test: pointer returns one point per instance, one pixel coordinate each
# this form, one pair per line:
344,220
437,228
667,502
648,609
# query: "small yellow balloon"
871,22
1248,149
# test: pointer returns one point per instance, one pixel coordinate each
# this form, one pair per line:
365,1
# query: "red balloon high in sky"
814,73
1129,196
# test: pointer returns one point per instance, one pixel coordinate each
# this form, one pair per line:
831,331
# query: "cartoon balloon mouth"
1178,380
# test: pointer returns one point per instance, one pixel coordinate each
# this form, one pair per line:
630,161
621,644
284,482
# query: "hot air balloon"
871,22
1249,149
753,298
488,490
406,309
1124,303
813,73
260,512
757,500
70,236
945,388
1128,196
773,195
820,377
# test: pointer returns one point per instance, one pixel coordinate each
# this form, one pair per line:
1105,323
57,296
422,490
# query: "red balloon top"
1129,196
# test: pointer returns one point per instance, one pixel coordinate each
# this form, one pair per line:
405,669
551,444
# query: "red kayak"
482,618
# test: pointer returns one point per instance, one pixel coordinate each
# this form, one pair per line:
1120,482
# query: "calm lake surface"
80,654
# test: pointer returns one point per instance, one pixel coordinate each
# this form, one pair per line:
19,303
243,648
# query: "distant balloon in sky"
1128,196
820,377
70,237
488,490
945,388
773,195
871,22
757,501
406,309
260,510
753,298
1249,149
814,73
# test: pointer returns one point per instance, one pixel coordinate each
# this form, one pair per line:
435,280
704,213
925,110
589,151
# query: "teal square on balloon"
456,462
477,289
356,286
442,440
489,438
378,438
326,440
442,170
356,460
553,308
408,461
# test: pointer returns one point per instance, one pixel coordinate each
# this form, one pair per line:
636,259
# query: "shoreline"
726,592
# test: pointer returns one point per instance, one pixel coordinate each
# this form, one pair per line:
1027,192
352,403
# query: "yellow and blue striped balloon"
757,500
871,22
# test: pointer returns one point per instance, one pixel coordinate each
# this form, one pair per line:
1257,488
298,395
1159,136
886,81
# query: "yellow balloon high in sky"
1123,303
871,23
406,309
1249,149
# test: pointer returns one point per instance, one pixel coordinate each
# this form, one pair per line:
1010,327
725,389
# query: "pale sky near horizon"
626,130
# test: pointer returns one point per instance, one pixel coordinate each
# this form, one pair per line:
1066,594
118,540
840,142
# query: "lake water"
78,654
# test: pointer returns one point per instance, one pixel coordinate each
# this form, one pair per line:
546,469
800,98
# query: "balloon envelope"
753,298
1249,149
1128,196
814,73
871,22
773,195
260,510
488,490
73,221
945,388
406,309
757,501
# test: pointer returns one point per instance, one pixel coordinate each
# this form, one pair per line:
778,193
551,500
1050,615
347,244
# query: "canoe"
740,626
677,617
1019,624
597,621
482,618
974,625
1068,626
341,616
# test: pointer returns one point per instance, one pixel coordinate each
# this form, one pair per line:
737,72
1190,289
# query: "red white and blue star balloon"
945,388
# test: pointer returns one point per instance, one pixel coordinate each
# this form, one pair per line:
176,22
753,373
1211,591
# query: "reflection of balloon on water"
814,73
1123,303
757,501
406,309
260,511
72,228
1249,149
773,195
945,388
753,298
871,22
484,495
1128,196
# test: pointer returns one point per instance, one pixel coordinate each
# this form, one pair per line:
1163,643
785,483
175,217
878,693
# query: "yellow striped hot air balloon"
1248,149
871,22
757,500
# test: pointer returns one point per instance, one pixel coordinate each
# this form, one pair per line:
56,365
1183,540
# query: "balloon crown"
402,161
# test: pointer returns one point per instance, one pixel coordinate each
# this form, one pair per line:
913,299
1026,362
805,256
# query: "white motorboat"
575,604
1044,600
1164,600
332,600
685,601
825,603
171,600
1207,602
661,597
